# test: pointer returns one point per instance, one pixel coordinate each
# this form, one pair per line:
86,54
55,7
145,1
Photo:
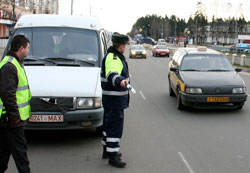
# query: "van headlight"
194,90
86,103
241,90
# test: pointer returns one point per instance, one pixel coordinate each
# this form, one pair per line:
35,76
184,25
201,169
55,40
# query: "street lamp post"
236,25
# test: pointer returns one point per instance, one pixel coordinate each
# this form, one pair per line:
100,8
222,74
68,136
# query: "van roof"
50,20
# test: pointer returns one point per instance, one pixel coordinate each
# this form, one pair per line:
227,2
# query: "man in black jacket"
12,138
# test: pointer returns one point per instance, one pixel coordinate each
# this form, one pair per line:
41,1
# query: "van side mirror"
238,70
173,69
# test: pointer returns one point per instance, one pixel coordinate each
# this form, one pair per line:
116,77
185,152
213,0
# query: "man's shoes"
116,162
106,156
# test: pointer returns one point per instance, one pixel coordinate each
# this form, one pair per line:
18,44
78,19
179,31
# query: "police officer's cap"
119,38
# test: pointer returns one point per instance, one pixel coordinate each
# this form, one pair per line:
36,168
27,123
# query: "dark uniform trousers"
112,130
12,141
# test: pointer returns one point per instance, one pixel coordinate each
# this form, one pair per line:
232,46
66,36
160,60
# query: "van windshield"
62,44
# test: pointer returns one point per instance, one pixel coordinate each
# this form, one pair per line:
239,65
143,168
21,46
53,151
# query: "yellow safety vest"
23,95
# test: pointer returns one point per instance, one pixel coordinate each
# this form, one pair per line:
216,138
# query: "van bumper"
77,119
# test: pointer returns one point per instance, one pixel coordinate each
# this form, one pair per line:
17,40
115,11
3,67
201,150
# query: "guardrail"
242,60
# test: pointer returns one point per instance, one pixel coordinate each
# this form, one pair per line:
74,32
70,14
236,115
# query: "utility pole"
236,25
13,10
175,27
90,10
72,1
196,28
162,28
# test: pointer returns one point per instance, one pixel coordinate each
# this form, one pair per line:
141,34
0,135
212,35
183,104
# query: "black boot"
116,161
105,154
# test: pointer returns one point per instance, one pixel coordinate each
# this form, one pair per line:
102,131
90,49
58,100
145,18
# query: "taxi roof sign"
202,48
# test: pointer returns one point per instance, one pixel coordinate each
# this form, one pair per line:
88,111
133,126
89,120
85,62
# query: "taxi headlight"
194,90
144,52
85,103
133,52
241,90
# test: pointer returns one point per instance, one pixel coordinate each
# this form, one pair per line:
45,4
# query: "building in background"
12,10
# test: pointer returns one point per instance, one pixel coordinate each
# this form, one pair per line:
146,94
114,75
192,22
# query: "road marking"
185,162
144,98
130,75
248,95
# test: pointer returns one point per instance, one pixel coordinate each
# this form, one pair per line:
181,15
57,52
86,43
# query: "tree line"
198,26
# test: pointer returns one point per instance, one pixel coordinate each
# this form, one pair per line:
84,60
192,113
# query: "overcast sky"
117,15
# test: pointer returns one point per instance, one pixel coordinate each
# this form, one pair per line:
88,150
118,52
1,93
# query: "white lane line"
186,162
144,98
248,95
130,75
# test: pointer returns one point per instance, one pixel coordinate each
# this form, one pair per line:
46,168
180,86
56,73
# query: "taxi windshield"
61,44
205,63
161,47
137,48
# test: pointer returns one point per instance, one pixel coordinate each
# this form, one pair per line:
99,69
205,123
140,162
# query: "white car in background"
161,41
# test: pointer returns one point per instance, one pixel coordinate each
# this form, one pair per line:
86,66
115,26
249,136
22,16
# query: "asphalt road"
158,138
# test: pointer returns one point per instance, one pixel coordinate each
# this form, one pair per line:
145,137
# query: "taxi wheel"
180,106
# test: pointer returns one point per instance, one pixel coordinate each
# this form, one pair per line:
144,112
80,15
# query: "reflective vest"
114,97
23,94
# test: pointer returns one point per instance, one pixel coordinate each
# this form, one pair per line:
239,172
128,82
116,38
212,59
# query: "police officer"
14,106
115,98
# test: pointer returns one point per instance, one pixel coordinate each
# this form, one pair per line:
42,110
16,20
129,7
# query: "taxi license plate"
46,118
217,99
163,53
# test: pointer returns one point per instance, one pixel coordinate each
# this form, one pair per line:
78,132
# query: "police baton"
130,88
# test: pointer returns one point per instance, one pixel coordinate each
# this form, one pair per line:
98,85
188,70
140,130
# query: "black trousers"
13,141
112,129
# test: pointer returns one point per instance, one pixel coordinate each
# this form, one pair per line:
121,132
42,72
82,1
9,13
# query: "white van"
161,41
63,69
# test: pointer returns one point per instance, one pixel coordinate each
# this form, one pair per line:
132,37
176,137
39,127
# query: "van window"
54,42
27,32
104,44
